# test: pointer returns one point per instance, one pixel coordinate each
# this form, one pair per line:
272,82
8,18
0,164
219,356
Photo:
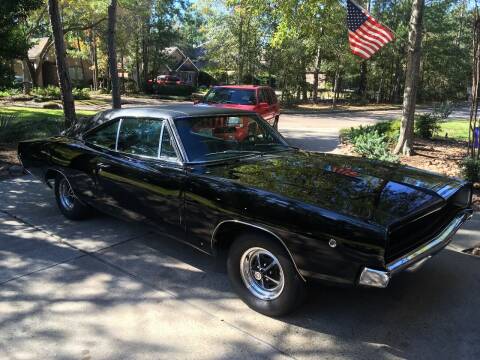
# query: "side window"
167,150
105,136
261,96
139,136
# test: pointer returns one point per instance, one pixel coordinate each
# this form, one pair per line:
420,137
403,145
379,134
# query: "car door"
262,104
274,106
141,178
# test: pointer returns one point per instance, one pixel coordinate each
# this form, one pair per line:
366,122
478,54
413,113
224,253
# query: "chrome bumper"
414,259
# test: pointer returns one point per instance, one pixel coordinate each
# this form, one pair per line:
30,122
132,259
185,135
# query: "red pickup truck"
261,99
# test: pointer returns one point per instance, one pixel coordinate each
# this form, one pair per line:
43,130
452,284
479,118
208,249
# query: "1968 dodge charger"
228,184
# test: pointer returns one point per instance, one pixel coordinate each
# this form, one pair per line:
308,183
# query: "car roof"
174,111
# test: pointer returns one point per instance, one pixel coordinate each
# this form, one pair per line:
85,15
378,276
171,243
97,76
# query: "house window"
75,73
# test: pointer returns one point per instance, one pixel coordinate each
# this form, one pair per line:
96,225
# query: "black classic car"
227,183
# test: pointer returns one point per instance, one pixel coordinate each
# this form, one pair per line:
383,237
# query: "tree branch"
86,27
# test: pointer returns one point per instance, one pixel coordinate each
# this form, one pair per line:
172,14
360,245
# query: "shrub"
81,94
443,110
389,129
373,145
471,169
427,125
53,93
9,92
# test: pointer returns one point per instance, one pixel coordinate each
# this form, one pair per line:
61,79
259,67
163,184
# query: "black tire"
275,122
294,288
77,210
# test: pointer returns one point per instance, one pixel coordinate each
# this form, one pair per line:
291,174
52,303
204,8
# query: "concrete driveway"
104,289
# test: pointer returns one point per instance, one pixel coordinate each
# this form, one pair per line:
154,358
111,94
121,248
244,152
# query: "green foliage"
427,125
444,109
29,123
9,92
373,145
14,42
471,169
49,93
388,129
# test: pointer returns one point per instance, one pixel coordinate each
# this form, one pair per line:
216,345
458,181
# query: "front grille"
407,237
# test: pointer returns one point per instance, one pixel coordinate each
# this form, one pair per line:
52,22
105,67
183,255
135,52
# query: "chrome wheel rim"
67,197
262,273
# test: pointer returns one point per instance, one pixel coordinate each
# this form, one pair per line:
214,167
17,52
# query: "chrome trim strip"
160,140
440,241
260,228
118,133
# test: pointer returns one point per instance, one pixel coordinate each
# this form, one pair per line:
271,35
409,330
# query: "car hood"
378,192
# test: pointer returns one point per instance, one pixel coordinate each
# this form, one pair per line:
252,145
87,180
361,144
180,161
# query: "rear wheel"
264,276
67,202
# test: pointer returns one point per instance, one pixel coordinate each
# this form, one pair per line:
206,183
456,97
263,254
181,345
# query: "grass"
456,129
21,123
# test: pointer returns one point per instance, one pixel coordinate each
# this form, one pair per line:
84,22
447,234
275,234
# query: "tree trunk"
145,65
362,85
405,140
31,71
112,54
62,70
304,86
94,59
84,75
240,52
380,89
137,62
316,73
336,87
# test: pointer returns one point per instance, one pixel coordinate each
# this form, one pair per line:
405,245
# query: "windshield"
223,137
231,96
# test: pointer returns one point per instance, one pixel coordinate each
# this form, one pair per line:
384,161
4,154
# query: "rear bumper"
416,258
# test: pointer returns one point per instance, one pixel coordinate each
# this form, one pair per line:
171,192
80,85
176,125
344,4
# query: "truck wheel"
263,275
67,202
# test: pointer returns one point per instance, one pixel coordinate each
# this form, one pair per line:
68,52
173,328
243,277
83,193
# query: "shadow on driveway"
138,294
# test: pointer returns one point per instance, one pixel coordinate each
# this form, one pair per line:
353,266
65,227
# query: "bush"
9,92
443,110
53,93
471,169
389,129
427,125
373,145
81,94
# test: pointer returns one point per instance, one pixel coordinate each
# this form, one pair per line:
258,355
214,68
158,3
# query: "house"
42,57
177,63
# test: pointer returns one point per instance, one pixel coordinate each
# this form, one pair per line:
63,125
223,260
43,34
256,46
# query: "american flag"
365,34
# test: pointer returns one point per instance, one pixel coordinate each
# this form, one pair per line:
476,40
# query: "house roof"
185,62
36,50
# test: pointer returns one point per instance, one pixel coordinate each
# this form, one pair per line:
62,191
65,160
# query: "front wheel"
264,276
67,202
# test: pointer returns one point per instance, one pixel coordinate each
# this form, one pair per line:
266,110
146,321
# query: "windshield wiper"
253,152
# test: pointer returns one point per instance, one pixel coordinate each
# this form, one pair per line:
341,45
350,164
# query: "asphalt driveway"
104,289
